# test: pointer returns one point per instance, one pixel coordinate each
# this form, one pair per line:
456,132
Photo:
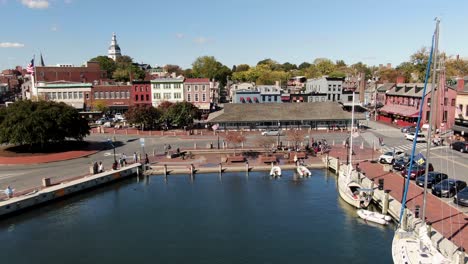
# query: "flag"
30,67
420,159
215,127
42,61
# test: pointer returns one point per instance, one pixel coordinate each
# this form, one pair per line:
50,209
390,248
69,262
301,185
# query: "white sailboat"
413,245
303,171
349,187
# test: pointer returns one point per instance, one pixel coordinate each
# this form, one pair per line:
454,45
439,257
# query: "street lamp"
112,143
279,133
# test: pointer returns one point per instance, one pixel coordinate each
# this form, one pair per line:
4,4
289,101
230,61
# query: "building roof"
282,112
197,80
409,89
168,80
64,85
385,87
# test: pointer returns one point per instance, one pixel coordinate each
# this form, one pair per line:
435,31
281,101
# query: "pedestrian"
169,147
146,159
121,162
9,192
165,149
135,157
178,151
95,167
124,159
101,167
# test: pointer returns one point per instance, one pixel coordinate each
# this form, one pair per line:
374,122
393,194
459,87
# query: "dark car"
461,146
408,129
416,171
433,178
448,187
461,197
400,164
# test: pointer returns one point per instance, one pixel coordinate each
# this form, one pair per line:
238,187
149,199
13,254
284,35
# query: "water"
228,219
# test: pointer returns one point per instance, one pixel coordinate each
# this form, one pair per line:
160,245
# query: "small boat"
303,171
374,216
275,171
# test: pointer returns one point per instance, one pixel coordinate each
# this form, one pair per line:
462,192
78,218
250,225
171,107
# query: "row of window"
112,95
196,98
195,88
142,97
65,95
461,110
166,96
142,89
167,85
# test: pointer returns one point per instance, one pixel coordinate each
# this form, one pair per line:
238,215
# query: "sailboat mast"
431,115
351,135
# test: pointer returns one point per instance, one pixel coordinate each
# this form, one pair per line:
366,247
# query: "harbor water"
233,218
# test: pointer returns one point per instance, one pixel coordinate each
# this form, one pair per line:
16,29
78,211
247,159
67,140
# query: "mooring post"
247,167
191,170
385,202
404,221
461,256
165,170
220,168
429,229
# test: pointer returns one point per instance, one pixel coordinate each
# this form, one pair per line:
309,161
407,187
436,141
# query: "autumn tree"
145,115
171,68
296,136
235,138
100,105
266,143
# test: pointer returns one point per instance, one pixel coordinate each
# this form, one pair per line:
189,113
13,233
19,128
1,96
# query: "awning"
460,129
285,97
256,99
402,110
249,99
242,99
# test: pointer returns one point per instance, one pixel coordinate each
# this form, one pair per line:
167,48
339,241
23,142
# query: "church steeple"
114,49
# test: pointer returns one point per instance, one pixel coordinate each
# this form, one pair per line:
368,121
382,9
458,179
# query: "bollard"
362,145
460,256
333,143
194,145
138,171
165,170
46,182
416,211
191,170
429,229
242,145
381,184
404,221
247,167
220,168
386,202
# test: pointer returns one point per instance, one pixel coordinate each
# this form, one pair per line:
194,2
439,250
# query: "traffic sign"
142,142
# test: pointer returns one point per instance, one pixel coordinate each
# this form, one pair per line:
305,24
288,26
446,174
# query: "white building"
240,86
114,49
333,87
70,93
167,89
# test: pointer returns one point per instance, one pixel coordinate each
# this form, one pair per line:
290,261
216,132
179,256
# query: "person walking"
146,159
95,167
135,157
124,159
101,167
9,192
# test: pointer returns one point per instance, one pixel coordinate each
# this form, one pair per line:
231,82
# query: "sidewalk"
46,158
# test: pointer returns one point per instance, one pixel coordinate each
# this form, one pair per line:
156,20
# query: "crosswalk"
406,148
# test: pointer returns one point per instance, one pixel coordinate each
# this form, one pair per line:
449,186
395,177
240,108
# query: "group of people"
319,146
98,167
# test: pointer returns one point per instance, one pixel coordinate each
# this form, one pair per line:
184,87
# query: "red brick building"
140,93
90,73
116,97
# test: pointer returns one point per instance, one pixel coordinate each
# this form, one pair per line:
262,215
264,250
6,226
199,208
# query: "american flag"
30,67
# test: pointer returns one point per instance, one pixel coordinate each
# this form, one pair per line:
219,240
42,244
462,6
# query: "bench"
299,155
268,159
236,159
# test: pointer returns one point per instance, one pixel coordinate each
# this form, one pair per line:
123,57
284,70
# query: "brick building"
116,97
140,93
91,73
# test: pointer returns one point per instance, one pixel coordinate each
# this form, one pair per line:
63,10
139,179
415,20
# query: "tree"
170,68
125,69
405,69
41,123
337,74
296,136
107,64
267,143
324,66
312,72
182,114
100,105
241,68
288,66
145,115
304,65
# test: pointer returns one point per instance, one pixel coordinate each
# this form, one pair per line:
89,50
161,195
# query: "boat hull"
373,216
275,171
347,188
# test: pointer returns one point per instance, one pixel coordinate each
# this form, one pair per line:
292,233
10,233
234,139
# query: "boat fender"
387,218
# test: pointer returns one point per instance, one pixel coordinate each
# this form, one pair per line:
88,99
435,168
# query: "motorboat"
275,171
374,216
303,171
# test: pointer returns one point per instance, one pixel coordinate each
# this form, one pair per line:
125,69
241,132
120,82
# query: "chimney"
277,83
400,79
389,65
460,85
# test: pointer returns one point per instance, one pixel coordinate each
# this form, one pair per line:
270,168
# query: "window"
337,99
80,95
461,108
167,86
65,95
177,95
136,97
157,86
127,93
196,88
147,97
466,110
427,116
428,101
204,88
269,98
136,88
453,102
70,95
188,88
157,96
196,97
106,95
142,97
188,98
167,95
142,89
177,86
112,95
445,101
350,98
101,95
118,94
96,95
445,116
75,95
203,96
329,97
87,96
59,95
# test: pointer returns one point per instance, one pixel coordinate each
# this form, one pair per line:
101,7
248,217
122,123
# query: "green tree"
242,67
145,115
312,71
324,66
171,68
304,65
182,114
288,66
405,69
41,123
107,64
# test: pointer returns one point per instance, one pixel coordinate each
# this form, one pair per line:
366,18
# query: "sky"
234,32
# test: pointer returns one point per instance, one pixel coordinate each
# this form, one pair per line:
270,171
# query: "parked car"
390,156
271,133
416,171
118,117
408,129
433,178
461,198
400,164
461,146
420,138
448,187
108,124
102,120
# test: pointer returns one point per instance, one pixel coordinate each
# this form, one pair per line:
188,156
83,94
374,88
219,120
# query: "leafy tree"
182,114
312,71
242,67
100,105
235,138
304,65
337,74
340,64
288,66
324,66
405,69
387,75
107,64
170,68
456,67
145,115
41,123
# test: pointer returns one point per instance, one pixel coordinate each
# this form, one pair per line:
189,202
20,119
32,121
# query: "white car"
118,117
420,138
390,157
271,133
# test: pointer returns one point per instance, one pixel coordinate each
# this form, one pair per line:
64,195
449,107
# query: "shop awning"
460,129
249,99
242,99
401,110
256,99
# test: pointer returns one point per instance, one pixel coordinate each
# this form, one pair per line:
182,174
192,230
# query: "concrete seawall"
58,191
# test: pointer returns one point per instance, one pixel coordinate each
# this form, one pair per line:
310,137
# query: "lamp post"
279,133
111,142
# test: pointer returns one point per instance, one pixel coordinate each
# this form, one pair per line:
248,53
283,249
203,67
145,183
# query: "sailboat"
349,187
413,245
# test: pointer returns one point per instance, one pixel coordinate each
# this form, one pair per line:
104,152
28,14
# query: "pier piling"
220,168
386,202
165,170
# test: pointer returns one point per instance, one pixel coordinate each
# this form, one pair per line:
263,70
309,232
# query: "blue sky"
234,32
